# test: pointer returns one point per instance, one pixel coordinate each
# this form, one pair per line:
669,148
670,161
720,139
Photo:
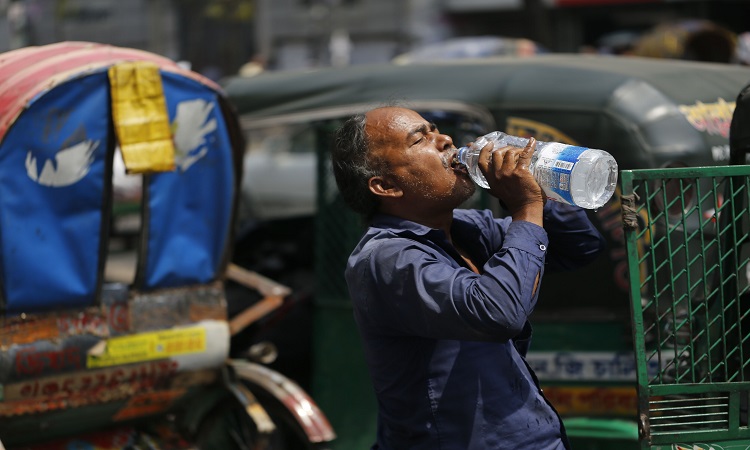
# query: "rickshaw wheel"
228,427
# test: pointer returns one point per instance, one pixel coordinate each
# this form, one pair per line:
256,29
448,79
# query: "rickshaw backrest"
57,146
65,110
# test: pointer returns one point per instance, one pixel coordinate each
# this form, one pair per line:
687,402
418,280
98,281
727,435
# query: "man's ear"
382,187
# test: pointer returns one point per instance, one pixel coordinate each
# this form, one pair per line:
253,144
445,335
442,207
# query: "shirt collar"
397,224
465,229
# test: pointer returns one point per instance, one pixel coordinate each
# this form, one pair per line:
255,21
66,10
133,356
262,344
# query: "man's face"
418,158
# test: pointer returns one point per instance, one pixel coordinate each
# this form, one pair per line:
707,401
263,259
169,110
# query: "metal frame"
686,230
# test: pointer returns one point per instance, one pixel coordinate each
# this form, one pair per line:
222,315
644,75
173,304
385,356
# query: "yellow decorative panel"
141,121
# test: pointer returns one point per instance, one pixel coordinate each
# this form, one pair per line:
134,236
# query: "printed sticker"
148,346
553,169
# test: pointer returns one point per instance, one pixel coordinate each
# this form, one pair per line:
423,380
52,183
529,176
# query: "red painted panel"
29,72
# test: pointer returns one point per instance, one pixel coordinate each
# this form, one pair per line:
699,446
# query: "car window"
281,139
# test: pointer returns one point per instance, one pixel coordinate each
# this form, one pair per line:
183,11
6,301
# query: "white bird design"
190,129
71,165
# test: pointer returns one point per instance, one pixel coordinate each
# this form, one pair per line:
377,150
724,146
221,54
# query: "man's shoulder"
482,218
473,214
379,240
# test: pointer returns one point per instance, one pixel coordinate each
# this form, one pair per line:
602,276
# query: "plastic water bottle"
580,176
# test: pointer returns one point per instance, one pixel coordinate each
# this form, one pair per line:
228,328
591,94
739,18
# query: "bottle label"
553,169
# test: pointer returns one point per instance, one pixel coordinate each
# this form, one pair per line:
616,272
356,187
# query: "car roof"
557,81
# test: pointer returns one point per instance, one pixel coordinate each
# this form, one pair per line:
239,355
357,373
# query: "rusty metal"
306,412
179,306
254,280
273,291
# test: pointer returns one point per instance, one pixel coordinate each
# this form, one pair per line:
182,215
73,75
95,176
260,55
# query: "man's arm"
422,293
574,241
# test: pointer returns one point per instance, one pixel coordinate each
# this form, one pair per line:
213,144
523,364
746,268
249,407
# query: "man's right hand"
507,173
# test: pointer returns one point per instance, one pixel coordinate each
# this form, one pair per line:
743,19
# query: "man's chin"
464,191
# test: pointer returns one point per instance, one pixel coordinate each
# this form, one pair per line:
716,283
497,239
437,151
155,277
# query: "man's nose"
445,142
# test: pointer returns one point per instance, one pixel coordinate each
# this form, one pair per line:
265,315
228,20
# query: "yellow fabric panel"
139,111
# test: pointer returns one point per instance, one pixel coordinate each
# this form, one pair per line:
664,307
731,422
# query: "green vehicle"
647,113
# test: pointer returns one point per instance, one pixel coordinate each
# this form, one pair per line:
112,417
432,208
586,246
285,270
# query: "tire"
228,427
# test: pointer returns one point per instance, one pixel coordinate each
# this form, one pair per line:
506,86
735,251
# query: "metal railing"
686,233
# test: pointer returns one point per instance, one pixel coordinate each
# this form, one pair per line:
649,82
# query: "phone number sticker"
147,347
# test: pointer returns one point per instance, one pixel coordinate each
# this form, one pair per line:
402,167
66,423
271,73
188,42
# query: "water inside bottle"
599,184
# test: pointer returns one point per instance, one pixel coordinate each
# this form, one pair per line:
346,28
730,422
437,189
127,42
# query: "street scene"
257,224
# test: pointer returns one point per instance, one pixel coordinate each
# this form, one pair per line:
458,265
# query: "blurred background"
220,38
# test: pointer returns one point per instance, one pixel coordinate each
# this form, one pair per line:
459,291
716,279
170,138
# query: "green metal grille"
686,232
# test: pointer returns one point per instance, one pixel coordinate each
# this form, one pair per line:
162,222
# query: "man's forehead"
393,119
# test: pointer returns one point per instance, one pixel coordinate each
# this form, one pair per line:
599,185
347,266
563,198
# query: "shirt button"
542,247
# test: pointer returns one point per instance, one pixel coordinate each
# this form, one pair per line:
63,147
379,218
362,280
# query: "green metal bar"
738,307
736,264
657,293
738,238
707,320
688,282
691,308
689,172
734,410
699,419
726,270
697,388
706,269
742,316
669,229
689,416
638,333
674,408
707,294
723,299
626,180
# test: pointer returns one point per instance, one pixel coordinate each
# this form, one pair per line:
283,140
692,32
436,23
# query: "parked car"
648,113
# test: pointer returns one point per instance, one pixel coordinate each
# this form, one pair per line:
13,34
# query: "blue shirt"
445,346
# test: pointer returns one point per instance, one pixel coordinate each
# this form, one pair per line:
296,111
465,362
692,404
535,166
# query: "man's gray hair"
353,167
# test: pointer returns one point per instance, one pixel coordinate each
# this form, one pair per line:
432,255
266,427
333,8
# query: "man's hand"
507,173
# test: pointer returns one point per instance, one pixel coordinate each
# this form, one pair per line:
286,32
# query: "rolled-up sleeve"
428,296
